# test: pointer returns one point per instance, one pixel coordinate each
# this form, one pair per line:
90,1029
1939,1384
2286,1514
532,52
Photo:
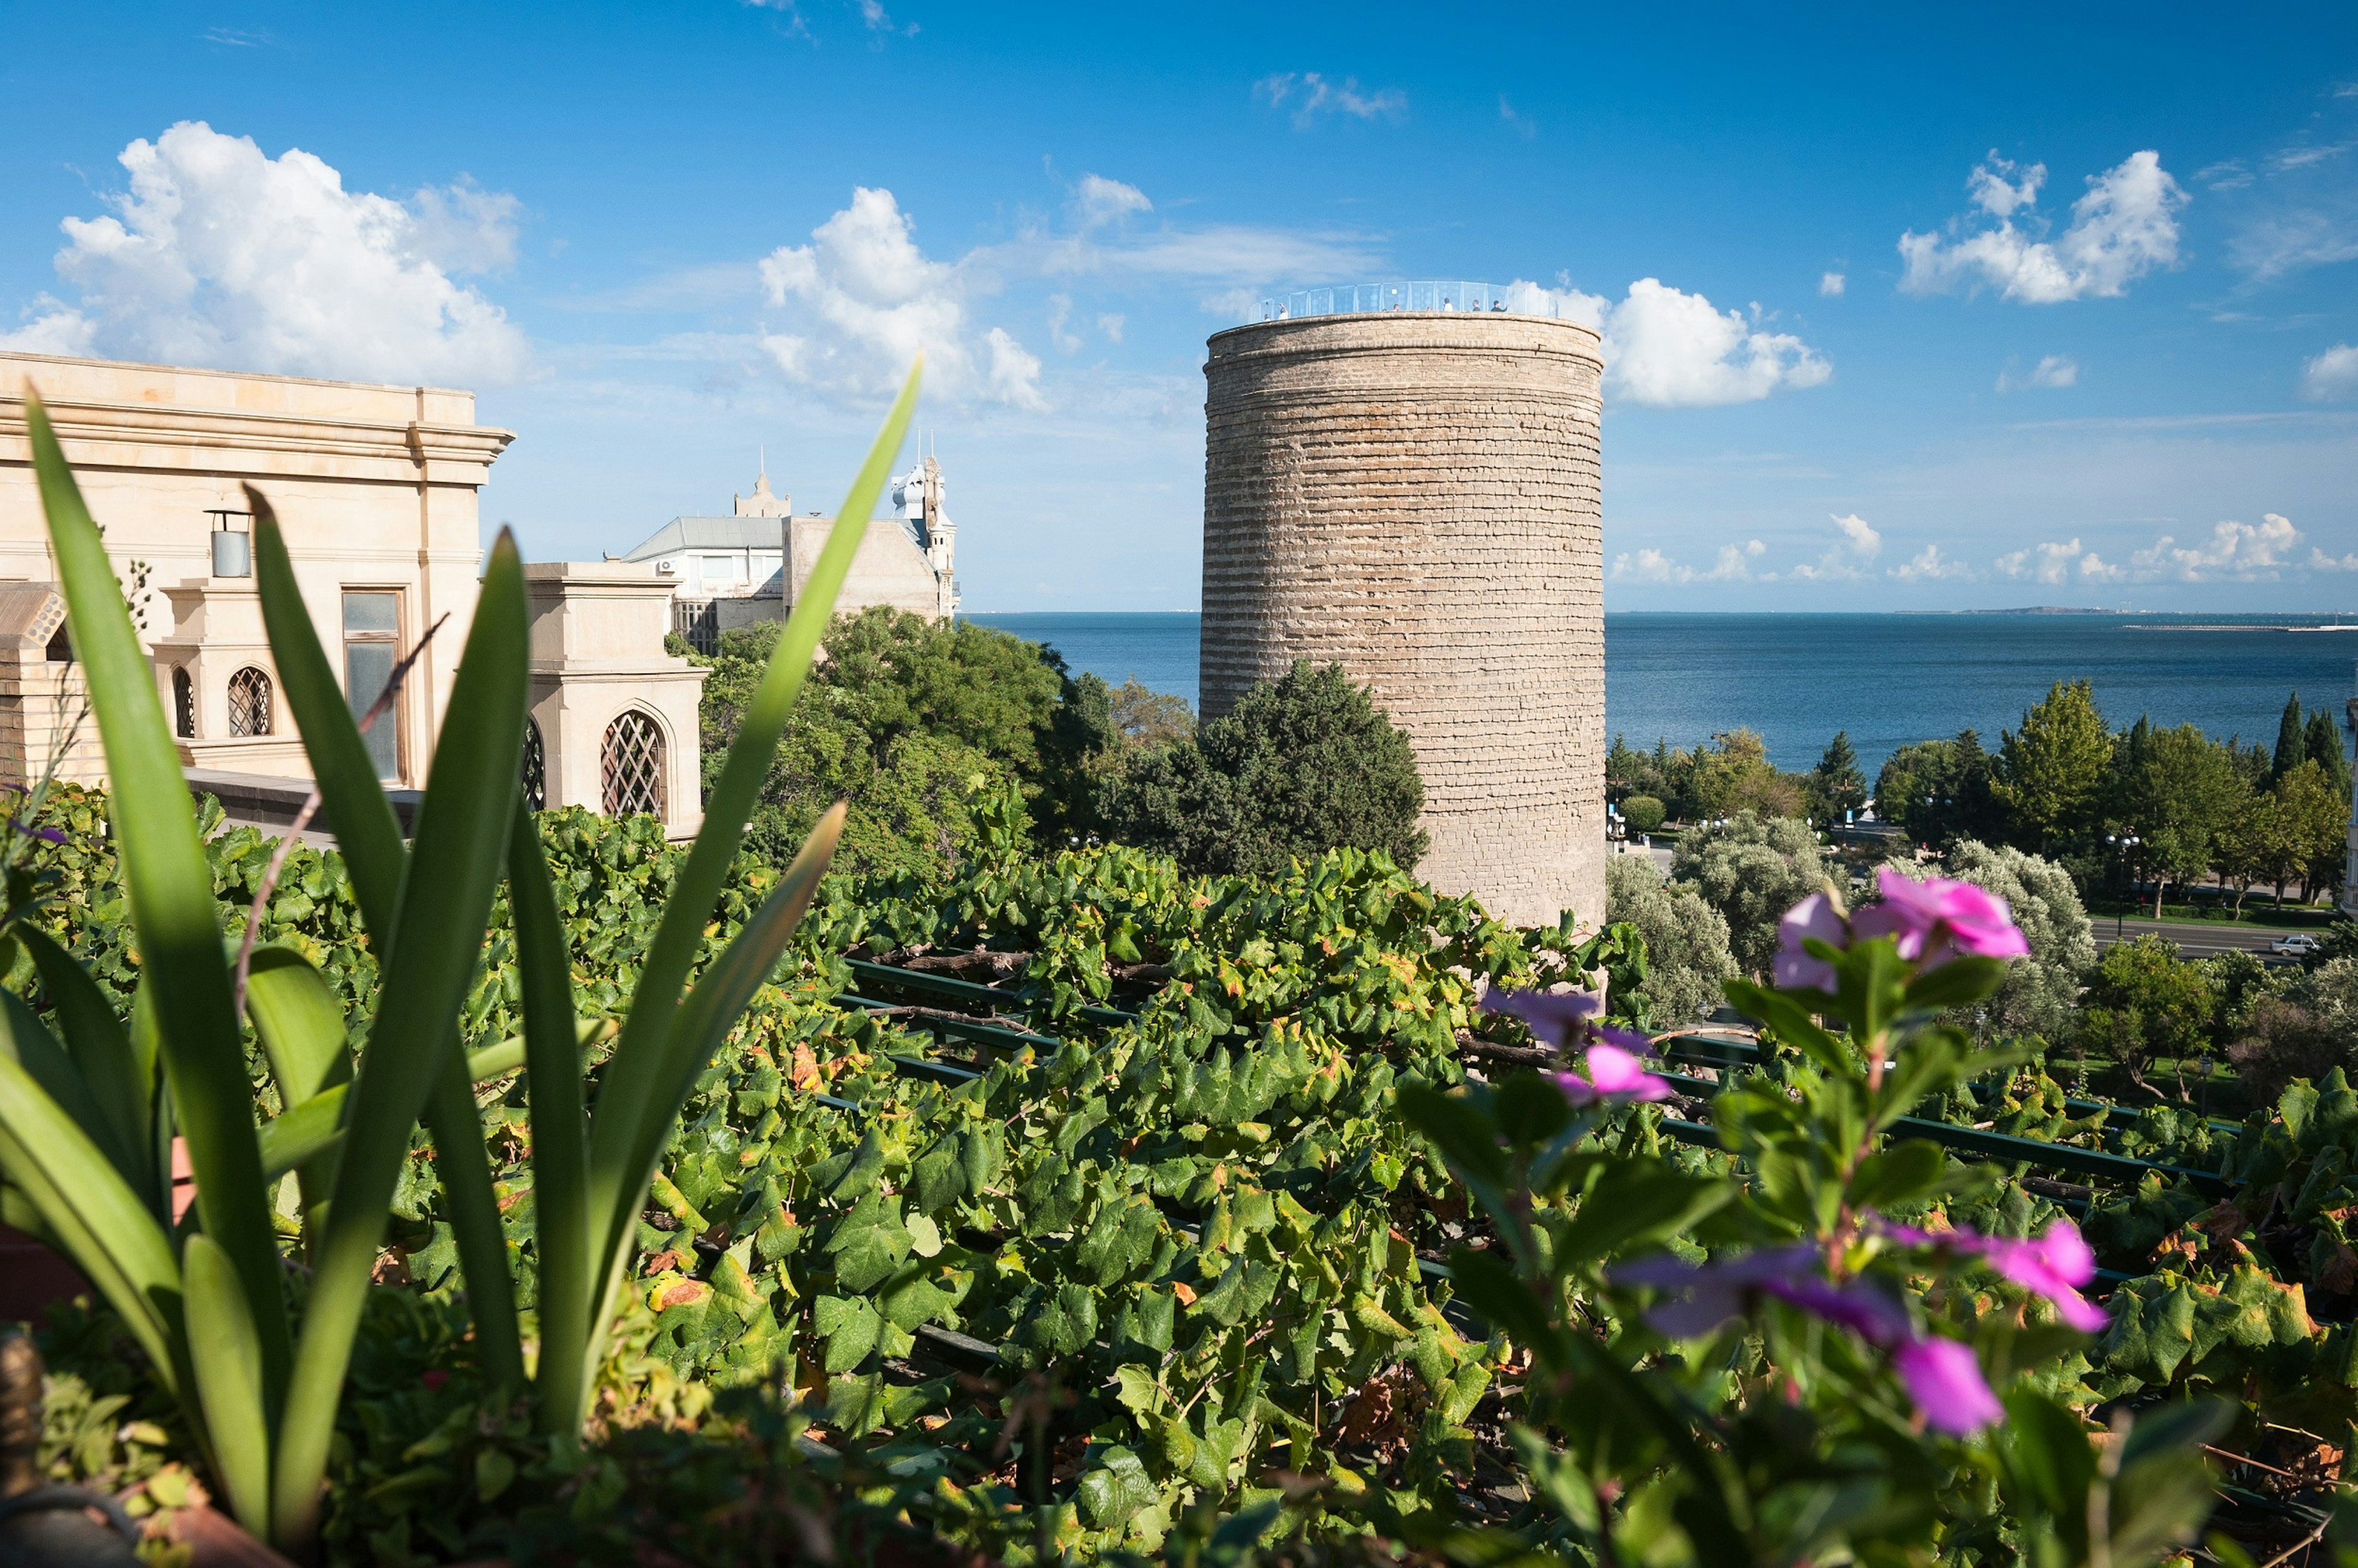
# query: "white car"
2298,944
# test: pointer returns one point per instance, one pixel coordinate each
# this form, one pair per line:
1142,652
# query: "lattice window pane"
535,768
632,766
184,705
249,702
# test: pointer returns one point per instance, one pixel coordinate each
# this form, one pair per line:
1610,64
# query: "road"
2195,939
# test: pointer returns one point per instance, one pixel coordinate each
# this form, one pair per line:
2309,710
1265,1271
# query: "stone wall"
1415,496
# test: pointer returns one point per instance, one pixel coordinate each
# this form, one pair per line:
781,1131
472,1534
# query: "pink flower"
1554,1016
1796,968
1946,1382
1941,1375
2054,1265
433,1378
1613,1074
1936,919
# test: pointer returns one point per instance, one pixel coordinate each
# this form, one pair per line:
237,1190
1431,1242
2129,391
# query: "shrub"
1686,939
1752,870
2283,1041
1643,812
1302,765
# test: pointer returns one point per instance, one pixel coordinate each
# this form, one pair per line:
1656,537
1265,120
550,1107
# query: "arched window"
184,705
535,768
632,766
249,702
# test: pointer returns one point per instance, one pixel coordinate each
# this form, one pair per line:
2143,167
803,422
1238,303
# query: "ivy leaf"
1066,1321
869,1243
1117,1489
850,1325
1137,1390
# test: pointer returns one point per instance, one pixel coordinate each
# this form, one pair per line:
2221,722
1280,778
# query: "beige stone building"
375,488
751,565
1404,479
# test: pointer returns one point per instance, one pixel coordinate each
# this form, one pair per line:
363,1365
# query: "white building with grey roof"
749,566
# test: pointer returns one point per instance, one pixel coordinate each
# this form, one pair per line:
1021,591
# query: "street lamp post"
2123,845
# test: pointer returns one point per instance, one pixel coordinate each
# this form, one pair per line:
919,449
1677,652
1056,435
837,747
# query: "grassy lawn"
2256,912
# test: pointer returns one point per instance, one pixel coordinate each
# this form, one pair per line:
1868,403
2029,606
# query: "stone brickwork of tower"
1415,496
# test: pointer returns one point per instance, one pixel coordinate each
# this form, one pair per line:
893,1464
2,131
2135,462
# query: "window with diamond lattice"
632,766
249,702
535,768
184,705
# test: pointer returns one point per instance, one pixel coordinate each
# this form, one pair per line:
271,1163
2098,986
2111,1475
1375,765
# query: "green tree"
2292,741
913,721
1686,938
2145,1004
2251,844
1643,812
2051,773
2177,788
2322,745
2316,813
1837,785
1752,870
1939,792
1734,775
1149,718
1300,765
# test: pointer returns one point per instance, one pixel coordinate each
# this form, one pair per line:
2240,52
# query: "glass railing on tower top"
1359,298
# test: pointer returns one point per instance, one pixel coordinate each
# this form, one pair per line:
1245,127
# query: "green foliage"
1686,939
1145,717
2052,772
1300,765
2145,1003
1751,870
1835,785
1643,812
1938,790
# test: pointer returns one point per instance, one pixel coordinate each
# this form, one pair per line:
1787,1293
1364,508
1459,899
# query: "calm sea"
1888,679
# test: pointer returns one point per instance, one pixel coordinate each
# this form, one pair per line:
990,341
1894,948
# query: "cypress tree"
2323,746
2292,748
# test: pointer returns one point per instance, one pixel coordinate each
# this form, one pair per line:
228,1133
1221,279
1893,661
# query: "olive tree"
1686,939
1752,870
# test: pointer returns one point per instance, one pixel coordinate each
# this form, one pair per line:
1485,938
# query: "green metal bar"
949,986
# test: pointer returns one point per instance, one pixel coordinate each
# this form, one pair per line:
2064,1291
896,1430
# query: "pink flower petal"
1946,1382
1795,968
1553,1016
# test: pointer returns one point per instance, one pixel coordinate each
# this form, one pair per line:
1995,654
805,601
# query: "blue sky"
2094,341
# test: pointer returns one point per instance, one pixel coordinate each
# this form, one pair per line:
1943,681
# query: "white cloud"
2051,370
1733,564
219,255
1313,95
2124,226
878,21
2318,561
1099,201
2054,563
1855,548
1111,324
1525,126
2292,241
2229,174
2334,373
1674,350
866,301
2243,552
1060,311
1928,565
1831,285
2291,158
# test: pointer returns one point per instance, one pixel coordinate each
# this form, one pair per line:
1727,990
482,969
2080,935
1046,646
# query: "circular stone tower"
1414,495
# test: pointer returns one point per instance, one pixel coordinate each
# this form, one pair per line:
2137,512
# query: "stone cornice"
256,445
